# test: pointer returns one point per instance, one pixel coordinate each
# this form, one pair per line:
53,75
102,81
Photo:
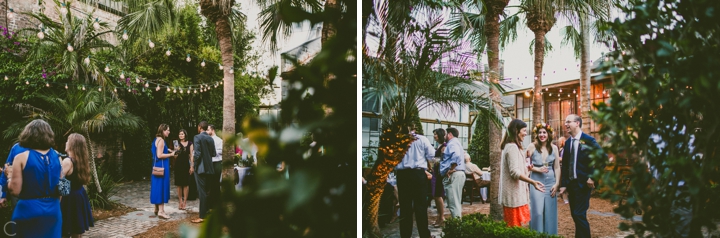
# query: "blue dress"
160,186
543,208
39,201
75,207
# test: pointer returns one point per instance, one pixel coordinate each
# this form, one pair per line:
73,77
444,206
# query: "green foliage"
318,199
667,115
109,188
480,225
479,148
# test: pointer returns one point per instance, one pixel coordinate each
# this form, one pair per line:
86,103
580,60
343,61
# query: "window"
599,94
523,108
370,140
464,133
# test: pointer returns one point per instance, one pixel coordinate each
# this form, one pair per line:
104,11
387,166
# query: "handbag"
63,187
158,171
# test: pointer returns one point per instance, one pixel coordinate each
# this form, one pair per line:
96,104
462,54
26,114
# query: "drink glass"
176,144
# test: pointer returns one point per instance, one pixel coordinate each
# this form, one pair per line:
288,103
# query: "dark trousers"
201,181
412,192
213,184
579,196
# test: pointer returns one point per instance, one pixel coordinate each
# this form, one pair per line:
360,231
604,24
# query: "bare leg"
180,196
441,211
185,195
162,214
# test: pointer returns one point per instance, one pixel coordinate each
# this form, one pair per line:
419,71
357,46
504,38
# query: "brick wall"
78,9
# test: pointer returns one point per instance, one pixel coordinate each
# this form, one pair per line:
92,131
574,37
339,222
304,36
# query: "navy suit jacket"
583,168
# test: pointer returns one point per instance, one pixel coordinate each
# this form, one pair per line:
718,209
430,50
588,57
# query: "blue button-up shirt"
454,154
16,150
418,155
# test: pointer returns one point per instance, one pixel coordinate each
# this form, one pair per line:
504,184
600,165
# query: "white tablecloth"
242,171
483,191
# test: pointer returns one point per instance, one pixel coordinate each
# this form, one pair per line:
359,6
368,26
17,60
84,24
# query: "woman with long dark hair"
546,169
436,184
76,210
183,170
513,174
160,185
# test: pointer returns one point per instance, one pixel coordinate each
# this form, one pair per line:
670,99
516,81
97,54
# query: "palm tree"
485,30
84,112
71,31
406,79
589,23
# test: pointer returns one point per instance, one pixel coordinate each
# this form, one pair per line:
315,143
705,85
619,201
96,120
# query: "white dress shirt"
218,148
576,143
418,155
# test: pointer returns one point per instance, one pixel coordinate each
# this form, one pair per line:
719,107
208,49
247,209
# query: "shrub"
480,225
109,188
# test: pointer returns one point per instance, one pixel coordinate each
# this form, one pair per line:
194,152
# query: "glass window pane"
519,101
365,139
365,124
374,124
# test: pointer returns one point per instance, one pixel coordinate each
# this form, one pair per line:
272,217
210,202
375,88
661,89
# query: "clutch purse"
63,187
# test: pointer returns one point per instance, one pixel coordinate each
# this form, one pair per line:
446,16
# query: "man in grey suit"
204,170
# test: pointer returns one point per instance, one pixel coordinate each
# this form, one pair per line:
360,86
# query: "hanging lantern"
124,35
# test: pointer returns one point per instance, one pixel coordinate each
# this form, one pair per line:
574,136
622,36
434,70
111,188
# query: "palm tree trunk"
388,157
214,13
492,30
539,61
92,162
585,72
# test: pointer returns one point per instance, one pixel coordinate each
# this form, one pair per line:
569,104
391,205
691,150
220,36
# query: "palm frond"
548,46
571,37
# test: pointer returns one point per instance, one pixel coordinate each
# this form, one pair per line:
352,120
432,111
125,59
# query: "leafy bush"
480,225
109,188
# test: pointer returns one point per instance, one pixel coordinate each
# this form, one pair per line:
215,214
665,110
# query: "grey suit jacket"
204,147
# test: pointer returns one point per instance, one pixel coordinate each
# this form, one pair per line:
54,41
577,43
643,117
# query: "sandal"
197,220
163,216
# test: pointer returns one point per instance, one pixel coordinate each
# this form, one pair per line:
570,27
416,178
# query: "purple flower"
44,75
17,43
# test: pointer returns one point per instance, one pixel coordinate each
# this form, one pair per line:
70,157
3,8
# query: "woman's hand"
553,190
192,169
539,186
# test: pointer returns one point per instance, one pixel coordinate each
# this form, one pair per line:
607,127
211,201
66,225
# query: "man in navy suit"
576,172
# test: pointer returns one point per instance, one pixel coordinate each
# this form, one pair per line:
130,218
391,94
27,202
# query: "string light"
147,85
27,82
122,75
69,47
188,59
220,66
168,53
125,35
137,80
203,63
232,71
168,88
96,24
561,90
151,44
574,91
115,90
87,60
66,86
157,88
107,68
128,90
47,85
99,89
6,78
11,13
83,88
181,91
174,90
41,33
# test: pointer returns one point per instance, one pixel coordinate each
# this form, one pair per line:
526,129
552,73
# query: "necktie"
571,171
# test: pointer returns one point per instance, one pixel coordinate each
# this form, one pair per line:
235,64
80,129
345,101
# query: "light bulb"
125,35
87,60
96,24
151,44
27,82
6,78
157,88
203,63
220,66
137,80
195,90
99,89
561,90
147,85
70,48
115,90
41,35
168,89
128,90
83,88
122,75
63,10
188,59
221,82
181,91
107,68
231,70
168,53
11,13
47,85
66,86
174,90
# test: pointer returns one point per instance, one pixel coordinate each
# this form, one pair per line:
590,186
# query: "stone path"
137,195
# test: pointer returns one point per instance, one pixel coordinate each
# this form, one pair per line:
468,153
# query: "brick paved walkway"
137,195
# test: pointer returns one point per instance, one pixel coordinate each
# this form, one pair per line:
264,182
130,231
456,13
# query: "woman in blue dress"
160,185
34,180
75,207
543,205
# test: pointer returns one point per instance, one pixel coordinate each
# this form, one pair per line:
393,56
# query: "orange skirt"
517,216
